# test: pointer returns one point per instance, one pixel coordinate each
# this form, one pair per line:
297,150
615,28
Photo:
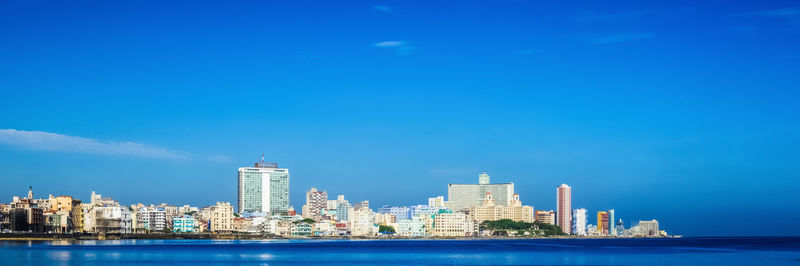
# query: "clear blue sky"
680,111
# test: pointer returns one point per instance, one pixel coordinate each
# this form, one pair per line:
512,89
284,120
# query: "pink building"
564,208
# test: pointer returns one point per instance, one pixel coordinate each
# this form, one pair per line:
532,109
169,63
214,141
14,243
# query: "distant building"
436,201
611,230
452,224
649,228
488,211
73,208
602,223
184,224
579,222
316,202
547,217
414,227
400,212
361,205
564,208
263,188
221,219
464,196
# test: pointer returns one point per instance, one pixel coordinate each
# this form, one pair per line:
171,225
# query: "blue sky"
675,110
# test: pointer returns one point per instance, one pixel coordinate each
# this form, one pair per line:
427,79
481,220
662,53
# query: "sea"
656,251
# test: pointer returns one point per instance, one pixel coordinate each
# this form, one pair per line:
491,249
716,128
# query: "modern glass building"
263,188
464,196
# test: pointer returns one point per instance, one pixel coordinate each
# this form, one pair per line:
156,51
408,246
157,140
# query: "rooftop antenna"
262,157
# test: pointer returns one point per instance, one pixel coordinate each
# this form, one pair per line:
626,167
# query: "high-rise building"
263,188
602,222
464,196
611,230
564,208
316,202
579,222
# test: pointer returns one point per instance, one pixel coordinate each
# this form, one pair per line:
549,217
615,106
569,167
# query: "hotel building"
263,188
464,196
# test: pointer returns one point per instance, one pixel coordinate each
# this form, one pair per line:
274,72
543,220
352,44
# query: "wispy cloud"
383,8
46,141
618,38
400,47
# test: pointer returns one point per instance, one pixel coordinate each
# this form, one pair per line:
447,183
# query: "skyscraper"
464,196
579,222
564,208
263,188
602,223
611,230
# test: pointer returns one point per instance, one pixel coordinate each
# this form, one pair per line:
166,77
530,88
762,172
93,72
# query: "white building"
579,222
362,223
263,188
452,224
414,227
464,196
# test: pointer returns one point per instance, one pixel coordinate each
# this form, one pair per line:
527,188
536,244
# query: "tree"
386,229
549,229
306,220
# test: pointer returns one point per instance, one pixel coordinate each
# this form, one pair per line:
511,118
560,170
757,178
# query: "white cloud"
389,44
383,8
46,141
400,47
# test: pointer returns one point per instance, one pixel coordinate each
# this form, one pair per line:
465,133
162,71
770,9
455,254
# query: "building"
579,222
400,212
611,230
221,217
602,223
263,188
547,217
184,224
316,202
464,196
361,205
73,208
414,227
151,219
436,201
343,209
649,228
363,223
452,224
489,211
564,208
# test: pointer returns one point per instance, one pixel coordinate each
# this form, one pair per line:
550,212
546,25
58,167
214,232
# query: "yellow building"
221,217
66,204
602,223
488,211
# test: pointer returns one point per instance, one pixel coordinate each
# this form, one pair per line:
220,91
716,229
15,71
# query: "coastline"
79,237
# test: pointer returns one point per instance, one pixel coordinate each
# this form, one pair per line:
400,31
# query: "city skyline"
662,110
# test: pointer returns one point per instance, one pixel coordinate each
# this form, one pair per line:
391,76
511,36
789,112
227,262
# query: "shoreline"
79,237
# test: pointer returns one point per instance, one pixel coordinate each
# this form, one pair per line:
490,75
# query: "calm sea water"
684,251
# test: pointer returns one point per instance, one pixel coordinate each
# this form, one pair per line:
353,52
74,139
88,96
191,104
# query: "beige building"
452,224
548,217
489,211
71,206
221,217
